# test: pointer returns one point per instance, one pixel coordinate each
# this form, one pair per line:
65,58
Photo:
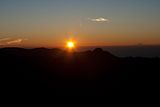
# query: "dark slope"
79,73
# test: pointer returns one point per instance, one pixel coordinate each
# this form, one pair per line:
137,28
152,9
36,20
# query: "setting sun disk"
70,44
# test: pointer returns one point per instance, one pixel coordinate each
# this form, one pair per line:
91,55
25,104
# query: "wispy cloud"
17,41
101,19
10,41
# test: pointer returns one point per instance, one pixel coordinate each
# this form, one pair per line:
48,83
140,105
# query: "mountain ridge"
88,73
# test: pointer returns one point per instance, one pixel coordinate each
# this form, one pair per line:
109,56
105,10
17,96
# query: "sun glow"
70,45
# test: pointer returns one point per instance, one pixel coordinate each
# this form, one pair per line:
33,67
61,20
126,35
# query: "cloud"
4,40
101,19
10,41
17,41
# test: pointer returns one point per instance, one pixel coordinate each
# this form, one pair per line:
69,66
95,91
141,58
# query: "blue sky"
50,22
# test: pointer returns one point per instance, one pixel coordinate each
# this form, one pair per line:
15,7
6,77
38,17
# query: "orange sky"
47,23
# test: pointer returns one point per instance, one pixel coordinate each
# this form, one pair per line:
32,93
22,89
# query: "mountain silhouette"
89,73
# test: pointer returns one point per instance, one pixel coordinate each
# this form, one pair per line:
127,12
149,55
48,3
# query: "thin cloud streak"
10,41
101,19
17,41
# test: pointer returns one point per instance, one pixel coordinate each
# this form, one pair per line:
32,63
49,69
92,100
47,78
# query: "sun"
70,45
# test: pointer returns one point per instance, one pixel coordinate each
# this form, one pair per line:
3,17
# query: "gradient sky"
50,23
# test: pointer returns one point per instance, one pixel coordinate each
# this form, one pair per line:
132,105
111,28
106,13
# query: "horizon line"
51,47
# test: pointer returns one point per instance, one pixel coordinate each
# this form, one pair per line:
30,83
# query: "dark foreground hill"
90,73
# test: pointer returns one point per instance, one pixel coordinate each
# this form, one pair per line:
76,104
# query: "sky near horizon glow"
49,23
